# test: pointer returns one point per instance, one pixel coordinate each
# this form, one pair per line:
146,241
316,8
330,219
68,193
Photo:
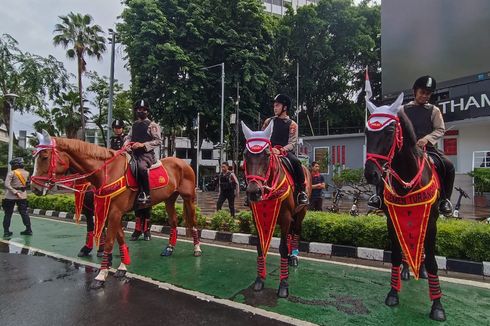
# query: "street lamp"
111,88
222,104
11,101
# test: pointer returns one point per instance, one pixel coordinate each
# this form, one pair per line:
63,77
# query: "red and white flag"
367,86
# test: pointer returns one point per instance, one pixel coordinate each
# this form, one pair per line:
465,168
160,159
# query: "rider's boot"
446,208
302,198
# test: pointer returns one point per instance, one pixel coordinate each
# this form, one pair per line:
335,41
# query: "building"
277,7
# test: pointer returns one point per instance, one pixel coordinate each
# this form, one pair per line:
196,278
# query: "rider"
117,140
285,135
16,183
145,136
429,127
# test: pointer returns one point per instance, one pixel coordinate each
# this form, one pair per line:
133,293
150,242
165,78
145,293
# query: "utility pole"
198,159
237,127
297,102
111,88
11,101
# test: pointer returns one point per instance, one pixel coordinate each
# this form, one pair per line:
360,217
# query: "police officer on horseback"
145,136
428,125
285,136
117,139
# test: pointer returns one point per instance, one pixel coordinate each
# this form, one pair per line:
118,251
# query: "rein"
396,146
51,180
274,163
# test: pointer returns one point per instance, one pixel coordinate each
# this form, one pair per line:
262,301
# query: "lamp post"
237,127
11,100
222,65
111,88
198,156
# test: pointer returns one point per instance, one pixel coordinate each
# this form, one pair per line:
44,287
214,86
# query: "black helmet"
118,123
425,82
141,104
18,161
283,99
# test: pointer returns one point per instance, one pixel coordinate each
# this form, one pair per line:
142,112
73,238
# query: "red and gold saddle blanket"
410,215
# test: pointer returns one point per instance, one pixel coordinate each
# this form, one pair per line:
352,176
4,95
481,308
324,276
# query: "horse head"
257,158
48,164
383,138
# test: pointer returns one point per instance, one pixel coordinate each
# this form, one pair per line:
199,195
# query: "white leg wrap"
122,267
102,275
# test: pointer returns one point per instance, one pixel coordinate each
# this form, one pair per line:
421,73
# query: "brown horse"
411,191
61,160
271,196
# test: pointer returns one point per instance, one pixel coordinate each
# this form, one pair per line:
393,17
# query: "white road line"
168,286
484,285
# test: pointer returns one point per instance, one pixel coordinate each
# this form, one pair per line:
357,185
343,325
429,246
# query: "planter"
481,201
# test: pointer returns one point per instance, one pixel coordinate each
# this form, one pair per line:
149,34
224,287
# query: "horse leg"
89,239
437,310
191,222
172,220
261,270
293,239
107,257
100,251
124,251
283,291
396,260
138,225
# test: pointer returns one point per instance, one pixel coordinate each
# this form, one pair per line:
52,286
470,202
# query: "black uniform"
117,142
227,187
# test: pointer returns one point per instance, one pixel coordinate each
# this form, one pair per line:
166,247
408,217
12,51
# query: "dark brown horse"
271,196
411,191
60,160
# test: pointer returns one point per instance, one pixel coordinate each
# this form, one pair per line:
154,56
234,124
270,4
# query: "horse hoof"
392,298
283,291
147,236
405,274
293,261
168,251
96,284
437,312
120,273
197,253
259,284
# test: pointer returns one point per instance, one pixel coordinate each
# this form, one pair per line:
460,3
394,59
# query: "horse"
411,192
271,196
61,161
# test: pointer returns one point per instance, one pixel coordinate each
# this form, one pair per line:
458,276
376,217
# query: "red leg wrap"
295,242
106,260
195,236
137,225
434,287
396,278
173,237
146,225
261,267
89,240
124,250
284,269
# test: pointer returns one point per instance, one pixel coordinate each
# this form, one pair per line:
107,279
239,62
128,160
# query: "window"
207,154
321,155
181,152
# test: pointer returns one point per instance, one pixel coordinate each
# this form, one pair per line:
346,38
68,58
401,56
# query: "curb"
333,250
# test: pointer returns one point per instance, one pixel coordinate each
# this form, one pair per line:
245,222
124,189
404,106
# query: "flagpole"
367,96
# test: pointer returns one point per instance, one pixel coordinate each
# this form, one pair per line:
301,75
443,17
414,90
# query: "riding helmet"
425,82
141,104
118,123
18,161
283,99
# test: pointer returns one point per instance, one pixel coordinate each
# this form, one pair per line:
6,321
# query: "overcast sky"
31,23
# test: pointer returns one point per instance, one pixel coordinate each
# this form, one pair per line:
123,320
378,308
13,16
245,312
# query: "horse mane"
409,138
84,148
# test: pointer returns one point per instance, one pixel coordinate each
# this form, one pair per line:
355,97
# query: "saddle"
157,174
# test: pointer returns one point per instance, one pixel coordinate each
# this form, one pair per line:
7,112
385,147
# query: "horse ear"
397,105
371,107
268,130
246,131
46,138
40,138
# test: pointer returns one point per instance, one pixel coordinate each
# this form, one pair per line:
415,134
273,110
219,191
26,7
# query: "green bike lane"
321,292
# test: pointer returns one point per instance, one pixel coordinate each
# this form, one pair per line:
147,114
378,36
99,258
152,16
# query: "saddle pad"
158,176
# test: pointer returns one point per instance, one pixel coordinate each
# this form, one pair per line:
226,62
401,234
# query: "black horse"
393,159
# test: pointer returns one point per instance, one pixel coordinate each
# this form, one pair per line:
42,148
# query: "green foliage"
60,203
223,221
348,176
26,154
481,179
246,222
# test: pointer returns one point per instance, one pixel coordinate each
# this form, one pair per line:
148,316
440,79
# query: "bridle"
396,146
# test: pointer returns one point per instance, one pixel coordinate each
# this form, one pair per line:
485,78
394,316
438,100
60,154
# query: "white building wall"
471,138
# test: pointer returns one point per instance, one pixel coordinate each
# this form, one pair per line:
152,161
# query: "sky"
31,23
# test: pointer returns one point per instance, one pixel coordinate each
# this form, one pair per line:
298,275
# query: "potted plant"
481,181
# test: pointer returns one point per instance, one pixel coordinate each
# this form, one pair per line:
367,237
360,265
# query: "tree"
85,39
34,78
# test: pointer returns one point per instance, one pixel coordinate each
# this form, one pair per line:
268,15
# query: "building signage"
465,107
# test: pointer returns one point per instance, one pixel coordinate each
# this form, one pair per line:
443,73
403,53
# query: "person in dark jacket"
317,186
228,188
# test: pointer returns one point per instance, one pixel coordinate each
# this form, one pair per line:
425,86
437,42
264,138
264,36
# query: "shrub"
223,221
246,222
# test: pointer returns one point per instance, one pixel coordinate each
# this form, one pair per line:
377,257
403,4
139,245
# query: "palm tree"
77,30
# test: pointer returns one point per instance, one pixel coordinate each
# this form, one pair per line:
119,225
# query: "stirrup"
302,198
143,198
374,202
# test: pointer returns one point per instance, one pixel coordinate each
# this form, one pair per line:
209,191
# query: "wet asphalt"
40,290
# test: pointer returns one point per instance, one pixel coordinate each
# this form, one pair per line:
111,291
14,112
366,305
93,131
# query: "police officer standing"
145,136
16,185
285,135
117,139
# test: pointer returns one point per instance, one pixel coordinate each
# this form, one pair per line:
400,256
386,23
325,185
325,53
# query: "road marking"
484,285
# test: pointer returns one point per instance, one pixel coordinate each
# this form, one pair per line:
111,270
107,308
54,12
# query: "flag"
367,86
